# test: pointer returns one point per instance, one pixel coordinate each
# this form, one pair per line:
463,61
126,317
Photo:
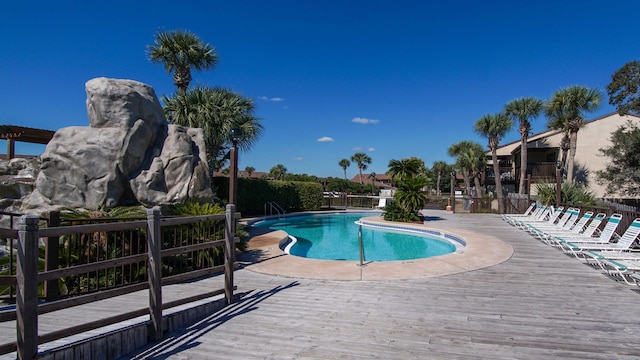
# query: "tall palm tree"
439,167
180,51
362,160
524,109
494,127
404,168
249,170
344,164
565,111
216,111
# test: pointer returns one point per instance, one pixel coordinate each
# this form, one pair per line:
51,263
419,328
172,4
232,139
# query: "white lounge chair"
381,203
623,244
564,222
576,228
605,236
556,239
527,212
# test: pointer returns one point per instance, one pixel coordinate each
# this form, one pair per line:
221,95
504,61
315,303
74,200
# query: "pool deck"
482,250
537,304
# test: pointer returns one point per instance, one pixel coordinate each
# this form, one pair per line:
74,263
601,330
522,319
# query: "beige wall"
593,137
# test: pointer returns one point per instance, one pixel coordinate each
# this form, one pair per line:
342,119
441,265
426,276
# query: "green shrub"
394,212
253,194
569,194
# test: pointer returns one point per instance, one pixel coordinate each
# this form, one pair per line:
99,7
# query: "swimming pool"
335,237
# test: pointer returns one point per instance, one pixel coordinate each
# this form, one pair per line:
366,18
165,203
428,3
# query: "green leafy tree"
344,164
523,110
565,111
278,172
362,160
215,111
179,52
494,127
621,176
623,89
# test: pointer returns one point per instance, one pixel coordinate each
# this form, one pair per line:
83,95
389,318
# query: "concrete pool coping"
265,256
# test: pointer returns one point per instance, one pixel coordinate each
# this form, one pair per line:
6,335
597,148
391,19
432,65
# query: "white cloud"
325,139
299,158
371,149
273,99
357,148
359,120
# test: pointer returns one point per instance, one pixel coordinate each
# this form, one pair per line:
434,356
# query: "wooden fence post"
27,287
51,253
230,251
154,242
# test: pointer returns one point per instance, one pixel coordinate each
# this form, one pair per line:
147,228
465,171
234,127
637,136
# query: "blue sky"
392,79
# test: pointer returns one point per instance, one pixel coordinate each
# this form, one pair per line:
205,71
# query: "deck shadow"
189,337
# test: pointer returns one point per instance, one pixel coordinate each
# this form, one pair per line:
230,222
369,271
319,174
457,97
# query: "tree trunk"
476,181
467,181
360,170
573,140
438,184
523,164
496,174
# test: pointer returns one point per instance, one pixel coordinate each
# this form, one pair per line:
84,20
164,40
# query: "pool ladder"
273,206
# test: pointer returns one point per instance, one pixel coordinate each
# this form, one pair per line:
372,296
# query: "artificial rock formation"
128,155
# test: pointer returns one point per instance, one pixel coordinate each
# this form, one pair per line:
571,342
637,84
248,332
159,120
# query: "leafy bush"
253,194
394,212
569,194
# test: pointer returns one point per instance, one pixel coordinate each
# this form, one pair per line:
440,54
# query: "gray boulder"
128,154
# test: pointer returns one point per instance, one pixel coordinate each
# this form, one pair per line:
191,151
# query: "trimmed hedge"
253,194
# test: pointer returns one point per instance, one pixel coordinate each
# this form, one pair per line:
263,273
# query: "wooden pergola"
13,133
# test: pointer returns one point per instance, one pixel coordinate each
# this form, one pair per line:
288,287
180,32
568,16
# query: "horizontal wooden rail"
27,277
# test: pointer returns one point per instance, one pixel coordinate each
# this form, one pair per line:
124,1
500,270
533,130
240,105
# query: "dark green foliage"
347,186
394,212
623,89
622,173
253,194
572,194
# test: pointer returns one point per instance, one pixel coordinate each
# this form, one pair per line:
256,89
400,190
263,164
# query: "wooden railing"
183,240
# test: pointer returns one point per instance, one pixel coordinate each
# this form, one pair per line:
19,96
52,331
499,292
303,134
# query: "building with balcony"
543,150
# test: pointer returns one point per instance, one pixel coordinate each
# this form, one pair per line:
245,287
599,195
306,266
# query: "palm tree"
373,179
470,158
524,109
344,164
475,158
405,168
439,167
457,150
410,196
216,111
565,111
180,51
362,160
249,170
494,127
278,172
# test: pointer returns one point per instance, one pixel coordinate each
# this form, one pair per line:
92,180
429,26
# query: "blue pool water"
335,237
